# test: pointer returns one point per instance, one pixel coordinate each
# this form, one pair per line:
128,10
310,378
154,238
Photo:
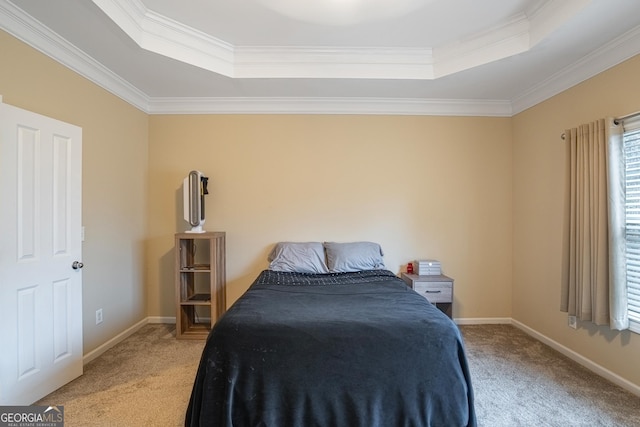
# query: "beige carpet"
146,381
519,381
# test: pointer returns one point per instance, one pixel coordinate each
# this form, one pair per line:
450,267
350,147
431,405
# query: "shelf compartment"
204,299
196,268
195,321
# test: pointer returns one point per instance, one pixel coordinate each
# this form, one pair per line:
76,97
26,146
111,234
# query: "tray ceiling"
461,57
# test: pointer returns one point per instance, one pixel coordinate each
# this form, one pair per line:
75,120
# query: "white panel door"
40,239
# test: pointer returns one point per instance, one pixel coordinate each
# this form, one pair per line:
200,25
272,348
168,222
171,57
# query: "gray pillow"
298,257
354,256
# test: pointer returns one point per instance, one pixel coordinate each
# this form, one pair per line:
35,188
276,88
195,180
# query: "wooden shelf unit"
200,282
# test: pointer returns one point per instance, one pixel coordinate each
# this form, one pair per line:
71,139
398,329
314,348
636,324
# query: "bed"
330,347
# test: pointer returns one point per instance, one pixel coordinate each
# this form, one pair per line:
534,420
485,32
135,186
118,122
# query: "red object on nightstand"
410,268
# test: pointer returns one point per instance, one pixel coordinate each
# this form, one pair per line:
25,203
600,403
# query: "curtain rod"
616,121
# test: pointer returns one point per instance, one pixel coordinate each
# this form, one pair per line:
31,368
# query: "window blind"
632,226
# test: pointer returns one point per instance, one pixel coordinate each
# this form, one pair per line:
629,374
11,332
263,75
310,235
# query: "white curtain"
594,284
618,312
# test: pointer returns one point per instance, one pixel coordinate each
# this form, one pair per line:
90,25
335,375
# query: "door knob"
77,265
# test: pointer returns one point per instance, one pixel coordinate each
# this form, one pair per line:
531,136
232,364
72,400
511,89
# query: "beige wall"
539,165
420,186
114,181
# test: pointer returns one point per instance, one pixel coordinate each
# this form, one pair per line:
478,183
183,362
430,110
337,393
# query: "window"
632,222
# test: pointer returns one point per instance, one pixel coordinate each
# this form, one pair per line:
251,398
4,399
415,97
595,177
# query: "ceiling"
439,57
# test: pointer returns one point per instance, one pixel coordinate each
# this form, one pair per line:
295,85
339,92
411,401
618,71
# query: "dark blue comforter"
331,350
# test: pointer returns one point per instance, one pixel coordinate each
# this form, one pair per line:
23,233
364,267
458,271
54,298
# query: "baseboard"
95,353
483,321
124,335
163,320
576,357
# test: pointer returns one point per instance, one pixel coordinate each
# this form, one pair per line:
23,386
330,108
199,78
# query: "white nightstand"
438,290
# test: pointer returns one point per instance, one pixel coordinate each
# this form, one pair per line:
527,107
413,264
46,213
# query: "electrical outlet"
98,316
573,322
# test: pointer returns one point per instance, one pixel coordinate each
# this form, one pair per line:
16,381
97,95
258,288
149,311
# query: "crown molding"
165,36
500,42
162,35
515,36
168,37
549,15
16,22
613,53
331,62
372,106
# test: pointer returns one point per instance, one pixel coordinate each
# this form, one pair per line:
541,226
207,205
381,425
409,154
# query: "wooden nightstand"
438,290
